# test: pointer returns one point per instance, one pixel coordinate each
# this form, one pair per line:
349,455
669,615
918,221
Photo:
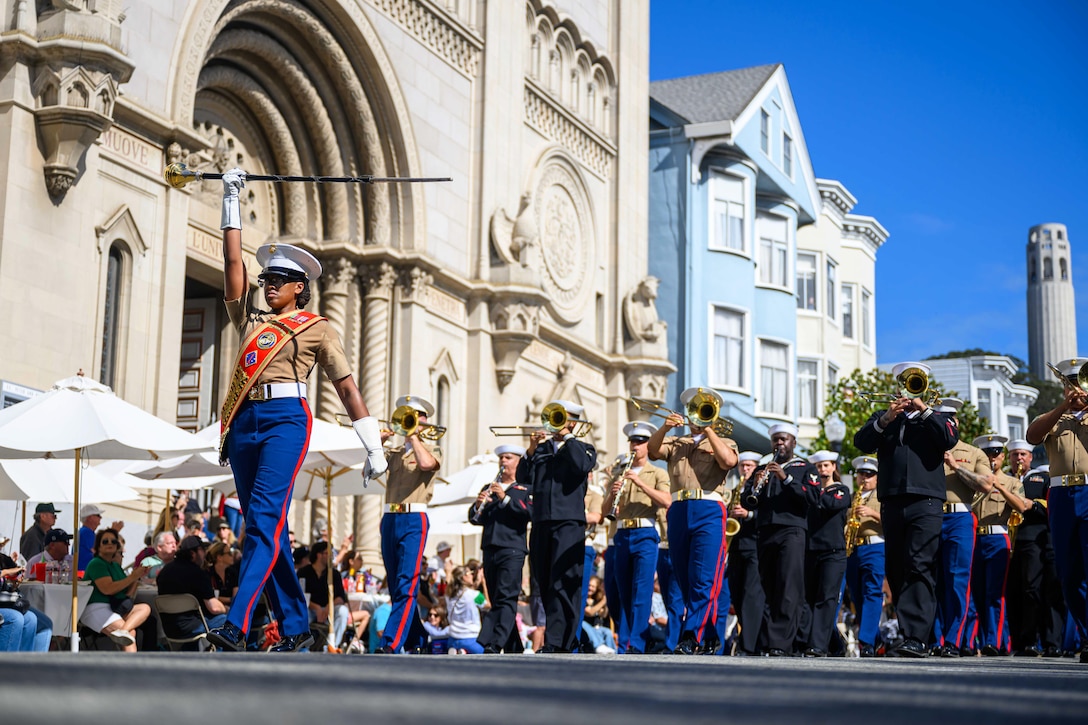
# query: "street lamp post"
835,427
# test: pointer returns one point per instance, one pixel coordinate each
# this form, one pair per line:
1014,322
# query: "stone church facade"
522,280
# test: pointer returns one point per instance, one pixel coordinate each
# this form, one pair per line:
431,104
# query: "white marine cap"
865,463
509,448
749,456
1019,444
639,429
821,456
414,401
949,405
788,428
573,409
896,370
990,441
690,393
288,259
1069,368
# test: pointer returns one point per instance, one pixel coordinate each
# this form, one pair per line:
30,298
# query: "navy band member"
825,554
637,496
1033,593
557,468
743,565
786,485
967,474
1064,431
503,508
697,464
865,567
990,569
266,420
594,502
911,439
408,489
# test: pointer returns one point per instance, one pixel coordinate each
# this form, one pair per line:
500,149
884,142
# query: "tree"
845,398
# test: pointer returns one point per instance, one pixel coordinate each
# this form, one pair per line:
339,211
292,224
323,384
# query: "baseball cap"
57,535
191,542
91,509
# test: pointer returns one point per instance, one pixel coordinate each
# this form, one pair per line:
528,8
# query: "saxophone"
732,525
1015,518
853,524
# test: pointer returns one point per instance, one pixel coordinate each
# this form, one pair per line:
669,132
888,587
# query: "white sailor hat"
288,260
787,428
990,441
896,370
1069,368
690,393
414,401
509,448
749,456
1019,444
864,463
821,456
1045,468
573,409
949,405
639,429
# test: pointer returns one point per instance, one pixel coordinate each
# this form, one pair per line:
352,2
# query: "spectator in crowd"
195,527
28,631
301,557
112,591
320,531
465,603
219,561
440,564
166,548
186,575
91,516
292,540
437,625
230,508
378,621
595,624
145,552
351,569
225,534
659,620
32,542
56,550
316,579
169,521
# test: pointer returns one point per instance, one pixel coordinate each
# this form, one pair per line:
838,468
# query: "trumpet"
405,422
614,513
912,382
702,411
1082,378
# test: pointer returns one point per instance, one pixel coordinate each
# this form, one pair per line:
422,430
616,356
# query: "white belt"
988,530
405,508
635,523
866,540
268,391
956,508
663,545
696,494
1072,479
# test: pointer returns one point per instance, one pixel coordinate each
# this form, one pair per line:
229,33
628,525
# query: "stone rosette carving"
566,241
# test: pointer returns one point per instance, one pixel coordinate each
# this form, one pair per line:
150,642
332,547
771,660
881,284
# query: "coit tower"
1052,319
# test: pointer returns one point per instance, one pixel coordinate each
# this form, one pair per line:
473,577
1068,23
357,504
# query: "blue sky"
958,125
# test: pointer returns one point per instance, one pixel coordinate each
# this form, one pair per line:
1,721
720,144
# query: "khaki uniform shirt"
973,459
662,517
595,505
693,466
634,503
870,526
318,343
994,509
406,482
1067,445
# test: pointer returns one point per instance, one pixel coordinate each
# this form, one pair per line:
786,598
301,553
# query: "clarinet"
479,508
611,515
751,501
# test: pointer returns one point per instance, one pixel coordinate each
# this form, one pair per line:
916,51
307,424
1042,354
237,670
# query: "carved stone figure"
644,328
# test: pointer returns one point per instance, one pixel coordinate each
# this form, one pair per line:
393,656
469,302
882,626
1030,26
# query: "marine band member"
865,567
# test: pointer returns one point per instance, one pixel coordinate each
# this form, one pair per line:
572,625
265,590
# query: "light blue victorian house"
730,182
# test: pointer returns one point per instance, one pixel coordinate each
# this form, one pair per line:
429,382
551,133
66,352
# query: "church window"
111,316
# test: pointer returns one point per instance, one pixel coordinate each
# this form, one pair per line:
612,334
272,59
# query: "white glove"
233,182
371,436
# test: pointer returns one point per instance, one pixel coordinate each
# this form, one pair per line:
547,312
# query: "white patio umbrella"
465,485
452,520
81,418
38,479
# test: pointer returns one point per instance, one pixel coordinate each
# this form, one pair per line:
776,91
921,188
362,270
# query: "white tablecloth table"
362,600
56,601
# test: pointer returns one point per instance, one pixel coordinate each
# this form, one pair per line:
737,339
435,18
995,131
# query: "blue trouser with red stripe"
988,575
403,538
865,577
611,590
587,574
954,584
696,538
1068,513
674,598
267,444
636,562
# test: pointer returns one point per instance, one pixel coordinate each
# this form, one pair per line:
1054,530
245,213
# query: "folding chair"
171,605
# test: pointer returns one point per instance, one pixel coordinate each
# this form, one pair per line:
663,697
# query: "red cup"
39,571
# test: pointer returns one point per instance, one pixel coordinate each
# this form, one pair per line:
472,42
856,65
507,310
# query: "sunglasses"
109,541
274,280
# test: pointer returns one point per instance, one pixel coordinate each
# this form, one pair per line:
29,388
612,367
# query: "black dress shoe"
293,643
551,649
912,648
492,650
775,652
1052,651
968,652
710,647
990,651
949,651
228,638
1027,652
385,650
814,652
687,646
1084,655
866,650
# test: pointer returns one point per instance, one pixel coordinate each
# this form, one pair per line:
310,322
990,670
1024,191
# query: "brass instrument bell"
1082,377
555,418
702,410
405,422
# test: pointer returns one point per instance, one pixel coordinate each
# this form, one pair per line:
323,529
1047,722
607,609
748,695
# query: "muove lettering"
120,143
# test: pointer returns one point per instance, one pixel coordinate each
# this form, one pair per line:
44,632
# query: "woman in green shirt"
111,586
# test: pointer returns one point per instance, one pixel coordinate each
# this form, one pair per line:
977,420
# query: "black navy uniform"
745,586
1034,592
782,520
557,476
504,553
911,487
825,564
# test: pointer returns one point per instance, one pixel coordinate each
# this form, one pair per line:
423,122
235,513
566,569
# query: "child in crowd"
595,624
465,604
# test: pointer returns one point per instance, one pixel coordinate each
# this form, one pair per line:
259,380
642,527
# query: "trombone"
912,382
405,422
553,419
523,431
702,411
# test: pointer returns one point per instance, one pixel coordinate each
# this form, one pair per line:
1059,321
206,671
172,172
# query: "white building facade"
986,381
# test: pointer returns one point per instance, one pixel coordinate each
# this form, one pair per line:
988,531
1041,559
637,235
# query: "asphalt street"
229,689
